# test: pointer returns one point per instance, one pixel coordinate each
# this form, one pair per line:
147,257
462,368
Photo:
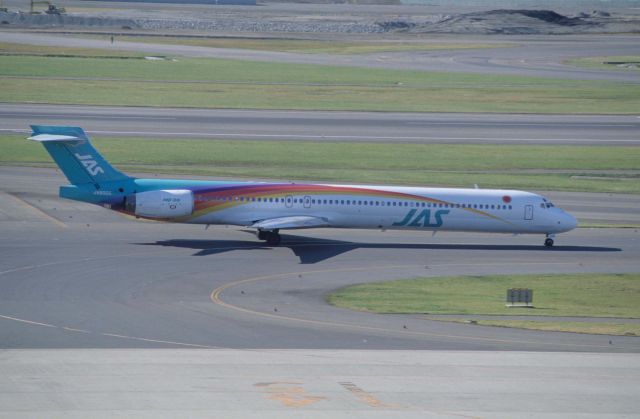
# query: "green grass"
43,50
592,295
597,328
412,164
602,62
304,45
213,83
608,225
223,70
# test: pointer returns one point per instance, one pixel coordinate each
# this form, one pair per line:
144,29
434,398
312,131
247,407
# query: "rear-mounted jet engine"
168,203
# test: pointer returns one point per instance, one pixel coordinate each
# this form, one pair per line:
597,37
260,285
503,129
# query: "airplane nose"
570,221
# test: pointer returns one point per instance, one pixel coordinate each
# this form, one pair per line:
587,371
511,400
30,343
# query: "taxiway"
328,126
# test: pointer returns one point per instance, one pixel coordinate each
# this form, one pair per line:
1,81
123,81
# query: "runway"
328,126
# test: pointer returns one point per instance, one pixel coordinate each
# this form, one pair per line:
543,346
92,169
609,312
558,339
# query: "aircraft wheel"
273,238
262,235
548,242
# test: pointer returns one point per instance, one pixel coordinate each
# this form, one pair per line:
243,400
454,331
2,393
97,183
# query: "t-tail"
72,150
92,178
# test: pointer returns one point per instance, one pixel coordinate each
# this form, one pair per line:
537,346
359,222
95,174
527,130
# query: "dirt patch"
506,21
548,16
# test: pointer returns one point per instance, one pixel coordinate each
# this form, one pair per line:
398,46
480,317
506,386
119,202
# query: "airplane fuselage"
353,206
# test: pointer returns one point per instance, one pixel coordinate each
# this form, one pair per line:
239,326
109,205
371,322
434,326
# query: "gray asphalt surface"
328,384
78,276
329,126
533,56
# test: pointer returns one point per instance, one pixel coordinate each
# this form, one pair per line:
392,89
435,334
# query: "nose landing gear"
548,242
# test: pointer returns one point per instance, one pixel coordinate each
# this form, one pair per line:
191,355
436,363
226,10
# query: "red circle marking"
506,199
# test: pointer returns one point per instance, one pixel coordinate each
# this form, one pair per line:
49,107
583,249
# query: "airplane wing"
290,223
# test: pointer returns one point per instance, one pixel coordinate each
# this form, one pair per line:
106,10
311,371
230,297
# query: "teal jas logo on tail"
422,219
90,164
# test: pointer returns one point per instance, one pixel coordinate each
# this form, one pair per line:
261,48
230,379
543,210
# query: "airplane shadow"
313,250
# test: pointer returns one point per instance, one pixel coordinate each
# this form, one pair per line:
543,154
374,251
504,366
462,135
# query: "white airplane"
271,207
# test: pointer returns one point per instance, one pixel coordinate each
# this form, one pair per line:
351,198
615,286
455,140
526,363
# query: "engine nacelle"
169,203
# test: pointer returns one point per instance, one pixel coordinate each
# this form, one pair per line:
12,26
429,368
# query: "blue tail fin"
73,153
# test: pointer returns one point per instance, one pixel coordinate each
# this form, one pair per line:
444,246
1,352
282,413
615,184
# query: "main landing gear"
548,242
272,237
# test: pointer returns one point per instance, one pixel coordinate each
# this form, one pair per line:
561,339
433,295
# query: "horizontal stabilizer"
290,223
53,137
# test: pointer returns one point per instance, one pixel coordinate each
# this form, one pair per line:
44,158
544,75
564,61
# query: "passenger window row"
356,202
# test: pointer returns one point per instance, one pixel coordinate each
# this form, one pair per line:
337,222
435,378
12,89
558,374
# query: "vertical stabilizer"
73,152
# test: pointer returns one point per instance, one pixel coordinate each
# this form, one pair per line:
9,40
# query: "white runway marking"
152,118
516,124
347,137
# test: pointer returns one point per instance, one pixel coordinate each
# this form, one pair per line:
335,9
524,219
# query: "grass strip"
594,328
590,295
219,70
614,100
12,49
405,164
213,83
608,225
608,63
